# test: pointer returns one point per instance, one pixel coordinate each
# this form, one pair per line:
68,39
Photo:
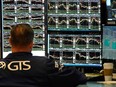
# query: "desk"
95,84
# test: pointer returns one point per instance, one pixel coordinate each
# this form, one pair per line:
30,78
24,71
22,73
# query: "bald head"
21,35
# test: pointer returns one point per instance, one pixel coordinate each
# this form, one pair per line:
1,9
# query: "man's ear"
31,45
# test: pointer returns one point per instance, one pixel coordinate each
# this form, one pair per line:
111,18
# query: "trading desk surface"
99,84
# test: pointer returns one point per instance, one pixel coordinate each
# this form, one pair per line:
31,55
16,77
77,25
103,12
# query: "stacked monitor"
74,31
109,33
109,30
111,12
24,11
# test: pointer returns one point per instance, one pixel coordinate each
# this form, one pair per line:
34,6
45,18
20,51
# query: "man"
21,69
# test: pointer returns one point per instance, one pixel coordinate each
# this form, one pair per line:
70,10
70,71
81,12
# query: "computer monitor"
109,45
111,12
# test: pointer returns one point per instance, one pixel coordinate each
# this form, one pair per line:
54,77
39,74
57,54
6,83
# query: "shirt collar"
19,54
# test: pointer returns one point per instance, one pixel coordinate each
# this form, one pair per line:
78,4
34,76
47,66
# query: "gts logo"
16,65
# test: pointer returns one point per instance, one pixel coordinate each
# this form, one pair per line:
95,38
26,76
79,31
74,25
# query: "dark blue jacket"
24,70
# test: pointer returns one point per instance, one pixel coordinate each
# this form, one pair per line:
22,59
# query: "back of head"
21,35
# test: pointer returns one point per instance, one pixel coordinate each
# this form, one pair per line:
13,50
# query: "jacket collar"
19,54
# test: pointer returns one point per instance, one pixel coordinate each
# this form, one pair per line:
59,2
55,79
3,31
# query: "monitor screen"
111,11
109,45
109,42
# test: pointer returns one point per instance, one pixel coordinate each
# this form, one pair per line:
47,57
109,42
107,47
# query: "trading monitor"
111,12
109,44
